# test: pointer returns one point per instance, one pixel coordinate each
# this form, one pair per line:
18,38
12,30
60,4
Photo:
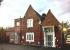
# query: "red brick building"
34,29
51,31
14,32
31,28
9,36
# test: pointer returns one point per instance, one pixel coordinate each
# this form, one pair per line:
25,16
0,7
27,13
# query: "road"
22,47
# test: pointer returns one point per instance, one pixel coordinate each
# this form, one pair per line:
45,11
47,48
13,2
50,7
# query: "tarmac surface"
22,47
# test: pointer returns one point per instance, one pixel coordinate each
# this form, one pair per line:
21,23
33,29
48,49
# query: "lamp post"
64,29
65,32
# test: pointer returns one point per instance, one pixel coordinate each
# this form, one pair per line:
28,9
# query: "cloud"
65,6
12,9
39,5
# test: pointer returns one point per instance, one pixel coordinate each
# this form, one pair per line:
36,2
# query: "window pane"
29,36
18,23
29,22
50,44
32,37
50,37
48,29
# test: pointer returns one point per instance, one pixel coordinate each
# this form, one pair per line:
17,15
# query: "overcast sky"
12,9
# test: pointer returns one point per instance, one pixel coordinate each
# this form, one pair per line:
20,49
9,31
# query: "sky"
13,9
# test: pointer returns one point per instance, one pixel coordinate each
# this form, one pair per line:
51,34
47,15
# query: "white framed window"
18,23
29,22
22,37
30,37
39,22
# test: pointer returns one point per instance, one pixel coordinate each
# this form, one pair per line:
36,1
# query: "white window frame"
29,23
39,22
30,33
18,23
53,35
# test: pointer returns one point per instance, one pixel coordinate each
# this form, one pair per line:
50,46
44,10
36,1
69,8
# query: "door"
16,38
49,36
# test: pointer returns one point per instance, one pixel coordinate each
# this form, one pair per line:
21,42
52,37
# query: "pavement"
22,47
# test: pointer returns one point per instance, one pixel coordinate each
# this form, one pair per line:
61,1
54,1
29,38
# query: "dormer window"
18,24
29,22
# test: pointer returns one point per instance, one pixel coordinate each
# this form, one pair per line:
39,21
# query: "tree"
0,1
2,35
65,27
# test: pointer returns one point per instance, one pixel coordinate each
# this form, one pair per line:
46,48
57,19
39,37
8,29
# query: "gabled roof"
50,14
50,17
31,11
18,19
30,8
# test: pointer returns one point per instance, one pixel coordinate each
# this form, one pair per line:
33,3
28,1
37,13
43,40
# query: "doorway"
49,36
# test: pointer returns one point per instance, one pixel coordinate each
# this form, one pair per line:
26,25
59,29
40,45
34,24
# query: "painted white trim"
29,23
16,38
39,22
53,35
18,23
30,33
